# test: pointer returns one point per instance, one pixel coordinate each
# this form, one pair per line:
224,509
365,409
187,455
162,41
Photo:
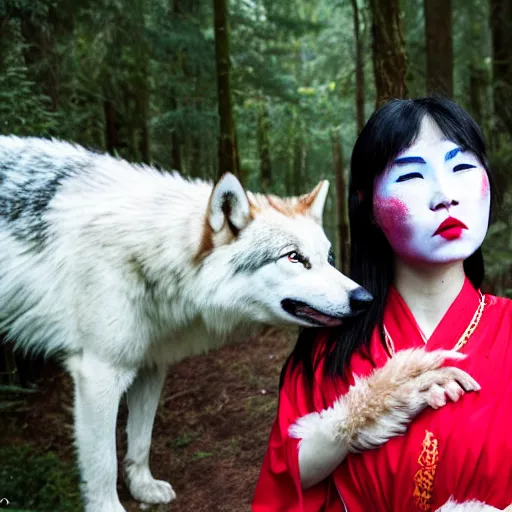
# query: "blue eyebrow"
452,154
409,160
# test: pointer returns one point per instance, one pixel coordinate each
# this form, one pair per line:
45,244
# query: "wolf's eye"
294,257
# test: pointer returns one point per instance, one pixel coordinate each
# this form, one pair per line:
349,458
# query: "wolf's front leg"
143,398
98,389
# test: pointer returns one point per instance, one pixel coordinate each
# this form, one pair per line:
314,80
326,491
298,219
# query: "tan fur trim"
390,386
206,243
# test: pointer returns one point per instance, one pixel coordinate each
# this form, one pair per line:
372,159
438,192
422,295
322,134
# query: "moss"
33,482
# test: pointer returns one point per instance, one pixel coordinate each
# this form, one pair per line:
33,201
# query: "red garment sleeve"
278,488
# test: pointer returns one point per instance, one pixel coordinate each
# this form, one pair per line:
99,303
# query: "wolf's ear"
229,203
314,202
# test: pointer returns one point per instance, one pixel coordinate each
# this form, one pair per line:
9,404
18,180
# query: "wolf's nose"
359,299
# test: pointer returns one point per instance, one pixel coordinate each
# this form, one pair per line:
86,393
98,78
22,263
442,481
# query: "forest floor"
210,432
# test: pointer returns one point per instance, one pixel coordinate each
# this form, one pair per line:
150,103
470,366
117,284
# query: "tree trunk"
388,48
360,117
176,151
144,144
297,165
39,53
477,82
438,36
142,105
8,368
341,204
264,145
299,157
501,26
111,127
178,13
228,151
196,167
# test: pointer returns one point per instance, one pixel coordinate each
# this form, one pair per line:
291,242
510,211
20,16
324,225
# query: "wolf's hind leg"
98,389
143,397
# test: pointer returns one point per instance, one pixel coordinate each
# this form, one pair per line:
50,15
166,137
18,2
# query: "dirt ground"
210,431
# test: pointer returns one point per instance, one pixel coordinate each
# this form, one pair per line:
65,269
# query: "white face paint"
431,183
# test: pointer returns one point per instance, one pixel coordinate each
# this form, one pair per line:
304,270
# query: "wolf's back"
32,172
77,227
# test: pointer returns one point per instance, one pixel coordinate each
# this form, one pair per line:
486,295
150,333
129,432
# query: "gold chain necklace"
470,329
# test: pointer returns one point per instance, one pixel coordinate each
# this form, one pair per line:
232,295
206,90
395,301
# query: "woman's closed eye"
463,167
409,176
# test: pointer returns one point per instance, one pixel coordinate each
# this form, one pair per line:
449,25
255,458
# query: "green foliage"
23,110
183,441
498,244
414,33
202,455
38,482
64,62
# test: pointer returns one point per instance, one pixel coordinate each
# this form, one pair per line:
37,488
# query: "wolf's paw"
439,386
152,491
382,405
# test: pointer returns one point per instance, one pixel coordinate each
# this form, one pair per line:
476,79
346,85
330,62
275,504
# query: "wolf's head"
279,262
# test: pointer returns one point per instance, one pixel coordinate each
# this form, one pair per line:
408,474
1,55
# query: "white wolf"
123,269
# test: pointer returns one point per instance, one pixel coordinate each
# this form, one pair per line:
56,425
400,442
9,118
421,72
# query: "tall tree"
438,36
177,13
343,234
111,126
176,160
228,150
140,85
501,26
477,83
299,154
388,48
263,123
360,117
114,143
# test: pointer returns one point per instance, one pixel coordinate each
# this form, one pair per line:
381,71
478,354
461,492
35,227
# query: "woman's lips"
450,229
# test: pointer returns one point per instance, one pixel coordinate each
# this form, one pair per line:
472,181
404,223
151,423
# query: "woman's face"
433,201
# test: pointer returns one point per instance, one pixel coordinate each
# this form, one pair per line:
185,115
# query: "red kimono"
463,449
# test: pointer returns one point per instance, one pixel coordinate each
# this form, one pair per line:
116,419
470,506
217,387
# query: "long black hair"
390,130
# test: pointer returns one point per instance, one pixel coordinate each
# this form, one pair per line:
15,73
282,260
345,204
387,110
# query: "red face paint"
391,214
485,185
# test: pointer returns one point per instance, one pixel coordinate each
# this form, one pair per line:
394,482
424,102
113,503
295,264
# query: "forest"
275,91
